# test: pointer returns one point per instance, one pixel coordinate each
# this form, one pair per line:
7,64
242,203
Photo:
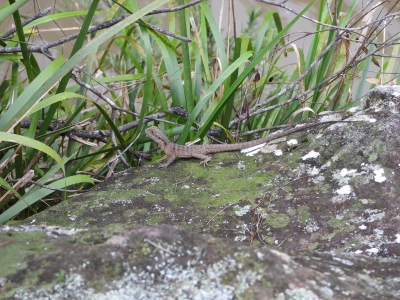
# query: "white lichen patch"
152,179
372,251
344,172
185,186
270,148
343,261
145,193
310,155
241,211
72,217
377,242
298,293
362,118
278,152
331,117
51,230
48,229
379,175
354,109
158,207
344,190
344,175
282,256
262,212
292,142
241,165
240,238
326,165
311,226
397,240
369,215
318,179
364,201
340,199
393,107
122,201
313,171
327,291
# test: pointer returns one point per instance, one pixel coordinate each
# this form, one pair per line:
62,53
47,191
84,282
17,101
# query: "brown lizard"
173,150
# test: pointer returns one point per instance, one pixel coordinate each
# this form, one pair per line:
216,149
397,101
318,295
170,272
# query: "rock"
327,197
167,262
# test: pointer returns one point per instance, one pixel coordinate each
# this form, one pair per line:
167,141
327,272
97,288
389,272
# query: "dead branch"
104,25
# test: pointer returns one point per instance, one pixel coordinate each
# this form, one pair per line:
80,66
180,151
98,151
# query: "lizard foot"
163,165
205,161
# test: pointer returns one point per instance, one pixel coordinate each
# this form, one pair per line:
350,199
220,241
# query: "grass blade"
31,198
19,139
255,61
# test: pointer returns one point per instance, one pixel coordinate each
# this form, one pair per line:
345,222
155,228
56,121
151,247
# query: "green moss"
152,198
329,236
142,211
373,157
78,212
303,213
268,240
155,219
130,212
313,246
357,205
350,228
337,223
276,220
288,189
144,250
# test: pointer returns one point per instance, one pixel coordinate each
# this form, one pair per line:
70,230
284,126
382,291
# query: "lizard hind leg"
204,158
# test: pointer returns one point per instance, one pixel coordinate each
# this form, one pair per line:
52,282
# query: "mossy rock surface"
336,190
319,220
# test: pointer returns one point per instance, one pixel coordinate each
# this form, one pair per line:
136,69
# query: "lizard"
173,150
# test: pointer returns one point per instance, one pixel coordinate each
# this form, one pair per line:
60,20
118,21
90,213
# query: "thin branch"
300,78
281,4
101,135
185,39
254,112
40,14
167,10
107,24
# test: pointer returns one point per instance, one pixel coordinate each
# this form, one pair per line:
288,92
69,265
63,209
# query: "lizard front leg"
205,159
170,158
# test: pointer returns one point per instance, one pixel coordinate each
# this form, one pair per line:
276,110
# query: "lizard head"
157,135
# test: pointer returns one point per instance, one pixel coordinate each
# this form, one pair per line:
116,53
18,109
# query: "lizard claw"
205,161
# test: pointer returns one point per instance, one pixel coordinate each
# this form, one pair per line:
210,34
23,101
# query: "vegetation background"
80,118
